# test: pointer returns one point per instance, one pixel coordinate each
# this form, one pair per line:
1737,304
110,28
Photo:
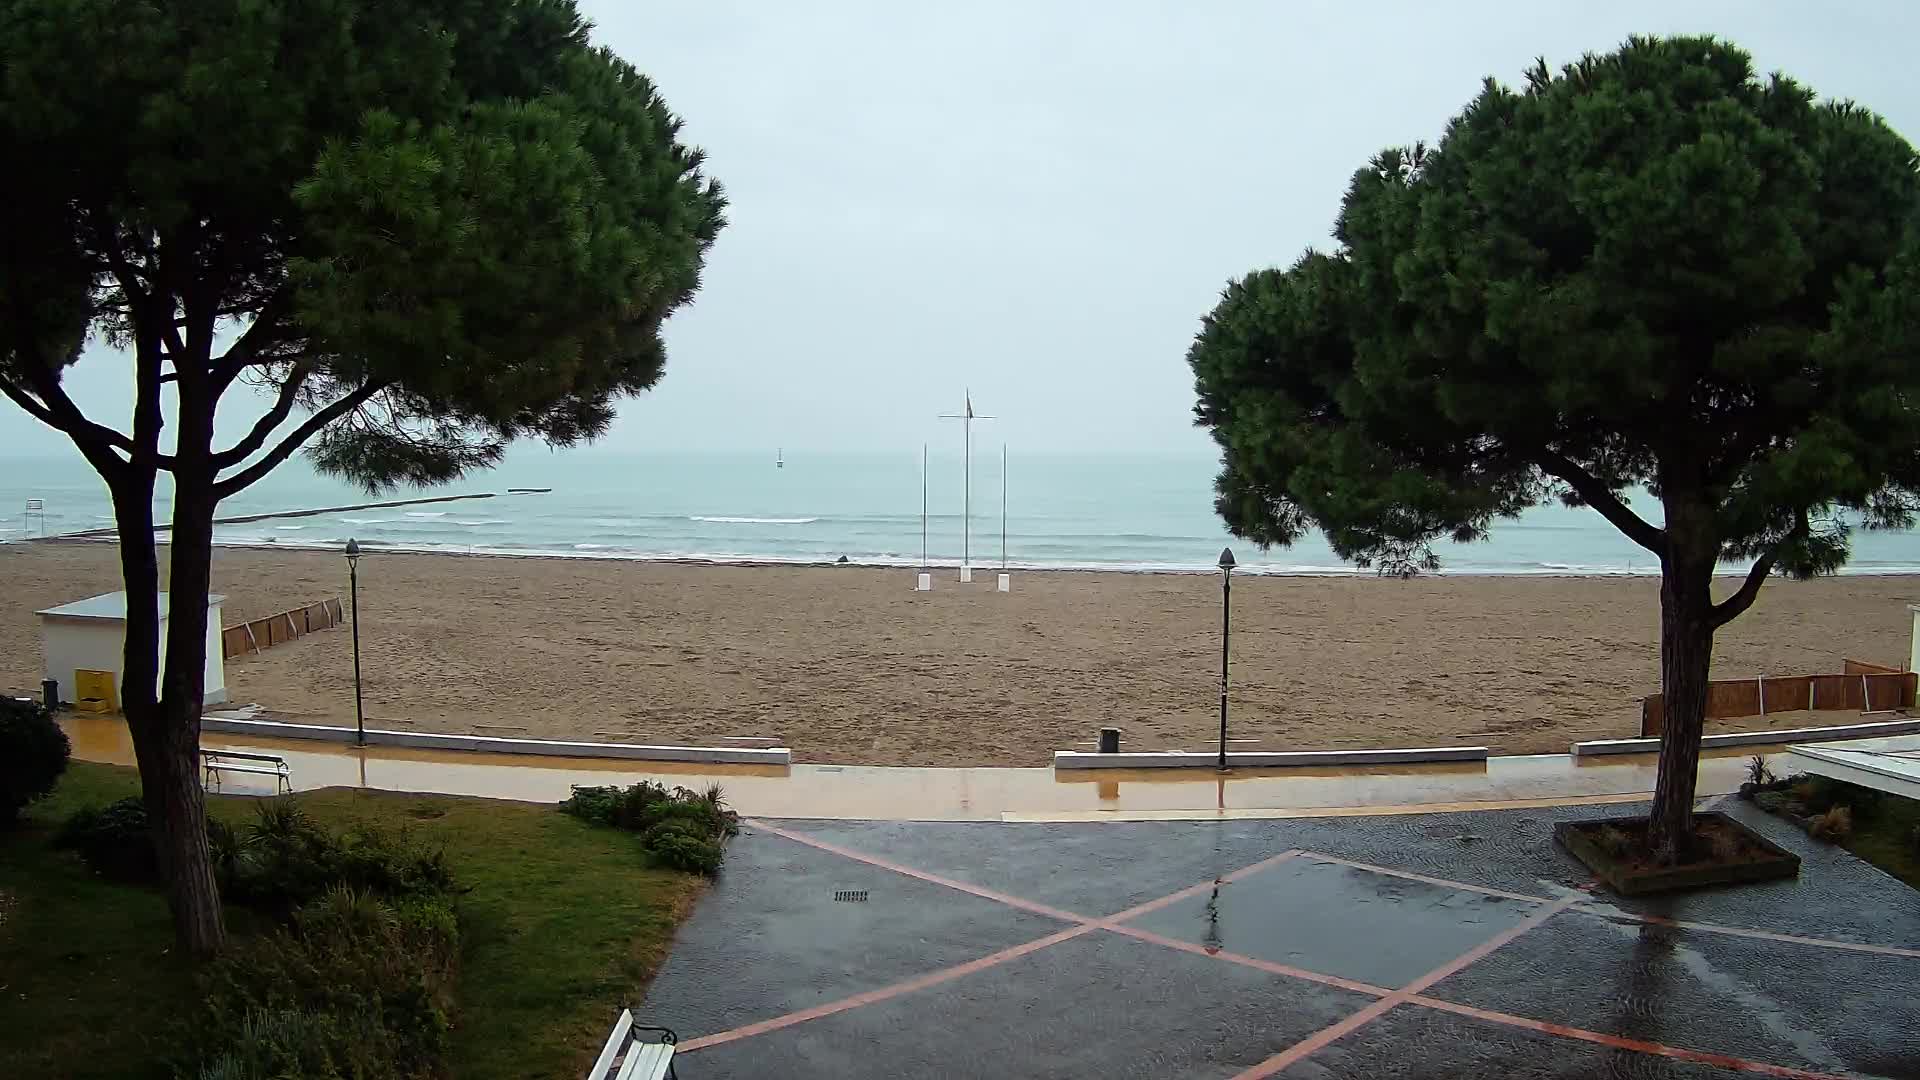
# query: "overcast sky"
1040,200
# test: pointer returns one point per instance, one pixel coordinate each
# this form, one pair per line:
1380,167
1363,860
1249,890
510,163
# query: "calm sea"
1060,511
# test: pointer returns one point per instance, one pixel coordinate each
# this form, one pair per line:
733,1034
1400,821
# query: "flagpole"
923,506
1003,506
966,417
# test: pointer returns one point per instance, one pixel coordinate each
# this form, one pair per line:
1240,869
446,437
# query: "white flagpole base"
1006,583
923,583
966,574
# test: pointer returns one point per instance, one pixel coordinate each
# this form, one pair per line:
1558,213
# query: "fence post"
1760,686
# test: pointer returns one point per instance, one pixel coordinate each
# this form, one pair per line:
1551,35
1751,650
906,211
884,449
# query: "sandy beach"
850,665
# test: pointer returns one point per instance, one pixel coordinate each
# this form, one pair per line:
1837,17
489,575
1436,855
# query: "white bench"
625,1057
216,762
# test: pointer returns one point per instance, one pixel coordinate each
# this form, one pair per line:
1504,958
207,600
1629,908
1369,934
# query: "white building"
90,635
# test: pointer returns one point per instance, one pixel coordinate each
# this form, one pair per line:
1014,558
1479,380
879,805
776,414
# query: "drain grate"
850,896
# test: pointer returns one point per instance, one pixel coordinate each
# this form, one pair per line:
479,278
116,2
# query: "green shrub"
113,840
281,861
678,846
678,827
276,1043
33,754
356,987
286,859
593,804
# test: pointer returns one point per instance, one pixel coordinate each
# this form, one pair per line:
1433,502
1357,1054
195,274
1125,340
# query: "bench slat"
243,755
614,1042
646,1061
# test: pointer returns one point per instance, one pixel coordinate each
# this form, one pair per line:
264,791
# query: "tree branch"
1733,606
98,451
263,427
1595,494
243,479
245,351
56,410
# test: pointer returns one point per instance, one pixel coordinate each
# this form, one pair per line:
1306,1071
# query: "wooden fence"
1862,687
251,637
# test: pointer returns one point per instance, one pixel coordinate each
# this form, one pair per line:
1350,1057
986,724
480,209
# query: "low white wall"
1257,759
1871,730
710,755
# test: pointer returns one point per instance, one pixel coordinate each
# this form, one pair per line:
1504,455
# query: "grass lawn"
563,924
1886,837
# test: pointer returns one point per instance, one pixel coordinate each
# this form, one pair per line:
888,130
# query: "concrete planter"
1578,838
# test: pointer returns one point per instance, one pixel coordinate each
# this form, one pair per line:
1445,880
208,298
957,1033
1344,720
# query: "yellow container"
93,692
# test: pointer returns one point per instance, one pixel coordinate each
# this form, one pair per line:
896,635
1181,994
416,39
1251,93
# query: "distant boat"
780,458
528,491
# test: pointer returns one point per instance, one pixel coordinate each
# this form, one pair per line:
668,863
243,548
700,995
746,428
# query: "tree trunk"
176,802
1686,658
179,804
166,749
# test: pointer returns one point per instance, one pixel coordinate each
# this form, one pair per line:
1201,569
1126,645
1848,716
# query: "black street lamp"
1226,632
353,587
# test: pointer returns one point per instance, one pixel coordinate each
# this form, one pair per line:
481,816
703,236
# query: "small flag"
969,404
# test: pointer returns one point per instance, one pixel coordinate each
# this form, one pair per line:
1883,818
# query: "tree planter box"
1763,861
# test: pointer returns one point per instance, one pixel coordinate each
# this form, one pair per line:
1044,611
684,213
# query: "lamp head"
353,549
1226,560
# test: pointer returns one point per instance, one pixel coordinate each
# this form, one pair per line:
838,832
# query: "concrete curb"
1755,738
706,755
1257,759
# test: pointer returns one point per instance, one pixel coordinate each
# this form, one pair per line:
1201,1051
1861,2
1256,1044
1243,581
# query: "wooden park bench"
216,762
626,1057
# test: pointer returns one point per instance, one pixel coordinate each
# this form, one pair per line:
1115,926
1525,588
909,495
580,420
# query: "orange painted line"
1410,876
1327,1035
1387,999
1658,920
1488,947
869,997
1252,962
1319,1040
1762,935
908,871
1724,1061
1194,890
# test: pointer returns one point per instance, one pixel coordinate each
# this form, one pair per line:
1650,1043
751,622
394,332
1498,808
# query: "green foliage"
681,844
286,859
33,754
431,226
556,918
1653,269
282,860
458,207
356,987
113,840
679,828
1758,773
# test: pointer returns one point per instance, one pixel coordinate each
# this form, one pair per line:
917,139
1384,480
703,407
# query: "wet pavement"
869,792
1434,945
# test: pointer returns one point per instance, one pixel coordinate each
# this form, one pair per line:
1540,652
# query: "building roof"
111,605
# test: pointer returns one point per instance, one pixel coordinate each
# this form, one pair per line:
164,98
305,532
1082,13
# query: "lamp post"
353,589
1226,632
